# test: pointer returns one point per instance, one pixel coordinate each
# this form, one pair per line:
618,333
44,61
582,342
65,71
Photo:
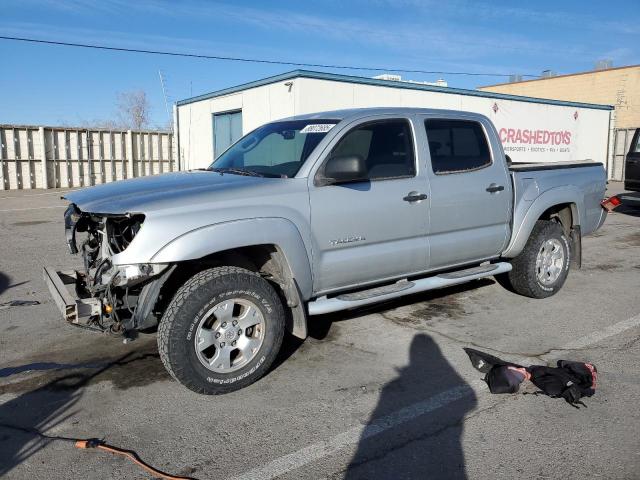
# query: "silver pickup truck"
316,214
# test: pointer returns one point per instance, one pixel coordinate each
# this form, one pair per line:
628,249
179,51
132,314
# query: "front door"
372,230
470,192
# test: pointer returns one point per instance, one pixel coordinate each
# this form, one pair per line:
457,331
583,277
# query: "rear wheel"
541,269
222,330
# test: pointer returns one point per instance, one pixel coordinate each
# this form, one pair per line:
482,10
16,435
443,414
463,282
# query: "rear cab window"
457,146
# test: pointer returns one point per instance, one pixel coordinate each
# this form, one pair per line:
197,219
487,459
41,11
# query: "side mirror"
343,169
509,161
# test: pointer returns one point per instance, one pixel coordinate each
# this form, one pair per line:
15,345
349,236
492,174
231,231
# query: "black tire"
190,304
523,278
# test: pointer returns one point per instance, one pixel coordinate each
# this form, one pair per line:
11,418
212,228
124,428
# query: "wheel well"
264,259
565,214
268,260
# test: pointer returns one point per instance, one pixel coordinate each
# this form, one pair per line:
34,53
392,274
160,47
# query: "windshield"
276,149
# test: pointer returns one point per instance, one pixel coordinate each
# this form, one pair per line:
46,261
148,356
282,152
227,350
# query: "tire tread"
168,343
522,278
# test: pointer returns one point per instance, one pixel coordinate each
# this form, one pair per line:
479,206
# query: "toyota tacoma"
315,214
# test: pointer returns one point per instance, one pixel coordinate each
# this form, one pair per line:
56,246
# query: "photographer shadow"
416,428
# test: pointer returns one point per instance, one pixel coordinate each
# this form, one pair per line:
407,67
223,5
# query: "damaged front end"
104,296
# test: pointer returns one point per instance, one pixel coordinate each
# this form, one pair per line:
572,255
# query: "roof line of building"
561,76
384,83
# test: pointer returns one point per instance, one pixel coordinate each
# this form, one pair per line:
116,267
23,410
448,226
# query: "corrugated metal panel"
622,138
78,157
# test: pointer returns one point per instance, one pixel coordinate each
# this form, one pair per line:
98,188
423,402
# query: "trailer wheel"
541,269
222,330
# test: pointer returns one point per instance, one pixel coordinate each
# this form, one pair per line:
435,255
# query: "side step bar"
324,305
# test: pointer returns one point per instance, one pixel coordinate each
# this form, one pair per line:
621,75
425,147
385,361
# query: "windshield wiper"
248,173
237,171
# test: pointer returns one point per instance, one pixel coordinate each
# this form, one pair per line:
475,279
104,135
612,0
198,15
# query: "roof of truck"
385,83
353,113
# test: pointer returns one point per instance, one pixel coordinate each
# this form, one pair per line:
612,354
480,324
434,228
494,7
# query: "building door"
227,128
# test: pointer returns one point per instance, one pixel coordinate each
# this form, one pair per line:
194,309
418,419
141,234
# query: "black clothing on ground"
568,380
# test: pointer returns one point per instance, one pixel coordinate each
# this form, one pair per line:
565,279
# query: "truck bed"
580,183
532,167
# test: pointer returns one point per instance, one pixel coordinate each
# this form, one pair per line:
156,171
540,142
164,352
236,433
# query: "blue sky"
61,85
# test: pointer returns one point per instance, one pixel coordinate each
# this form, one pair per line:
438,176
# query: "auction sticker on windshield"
318,128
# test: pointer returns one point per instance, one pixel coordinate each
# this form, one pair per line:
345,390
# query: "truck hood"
143,194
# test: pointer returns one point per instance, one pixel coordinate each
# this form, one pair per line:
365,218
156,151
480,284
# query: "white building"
531,129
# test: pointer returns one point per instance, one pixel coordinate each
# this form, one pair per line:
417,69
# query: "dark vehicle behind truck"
632,164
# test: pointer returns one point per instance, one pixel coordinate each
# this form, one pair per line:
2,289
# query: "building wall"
619,87
259,105
588,127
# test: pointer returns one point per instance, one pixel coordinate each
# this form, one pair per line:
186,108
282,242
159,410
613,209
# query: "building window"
227,128
457,146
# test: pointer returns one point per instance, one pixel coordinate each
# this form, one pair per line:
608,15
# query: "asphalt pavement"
380,393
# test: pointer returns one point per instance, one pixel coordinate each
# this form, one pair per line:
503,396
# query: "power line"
252,60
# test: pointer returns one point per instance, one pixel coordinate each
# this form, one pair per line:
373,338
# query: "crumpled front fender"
218,237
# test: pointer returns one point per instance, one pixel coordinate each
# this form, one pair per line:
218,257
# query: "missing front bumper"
62,286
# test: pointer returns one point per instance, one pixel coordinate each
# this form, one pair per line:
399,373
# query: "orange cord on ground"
94,443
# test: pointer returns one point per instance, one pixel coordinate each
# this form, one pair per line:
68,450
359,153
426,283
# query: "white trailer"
531,129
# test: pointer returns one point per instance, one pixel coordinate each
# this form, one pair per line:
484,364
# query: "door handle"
415,197
495,188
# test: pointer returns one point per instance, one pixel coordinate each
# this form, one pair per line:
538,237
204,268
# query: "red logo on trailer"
535,137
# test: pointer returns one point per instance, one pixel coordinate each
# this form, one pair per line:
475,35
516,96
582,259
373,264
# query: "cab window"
385,145
457,146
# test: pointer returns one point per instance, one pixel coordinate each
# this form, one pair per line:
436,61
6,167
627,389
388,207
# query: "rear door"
470,191
632,164
373,230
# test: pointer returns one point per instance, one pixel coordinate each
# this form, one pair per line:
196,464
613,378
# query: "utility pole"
166,101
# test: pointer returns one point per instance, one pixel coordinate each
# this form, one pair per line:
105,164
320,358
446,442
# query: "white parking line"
321,449
600,335
61,192
32,208
354,435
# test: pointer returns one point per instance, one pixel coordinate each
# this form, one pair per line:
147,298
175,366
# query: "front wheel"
222,330
541,269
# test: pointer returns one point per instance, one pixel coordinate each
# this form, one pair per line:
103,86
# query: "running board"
403,287
400,286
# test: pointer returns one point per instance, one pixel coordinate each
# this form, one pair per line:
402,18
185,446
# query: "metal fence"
622,138
62,157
